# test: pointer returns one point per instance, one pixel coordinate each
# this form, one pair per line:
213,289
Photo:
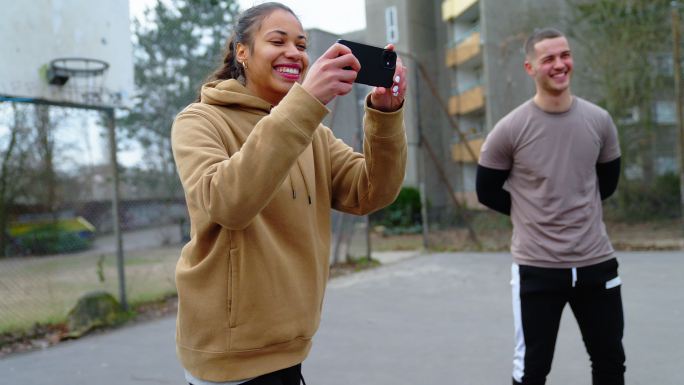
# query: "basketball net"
81,81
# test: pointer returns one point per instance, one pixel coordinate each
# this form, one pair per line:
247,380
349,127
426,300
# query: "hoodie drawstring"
306,183
294,193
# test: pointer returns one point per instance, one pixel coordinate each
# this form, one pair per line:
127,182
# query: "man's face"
551,65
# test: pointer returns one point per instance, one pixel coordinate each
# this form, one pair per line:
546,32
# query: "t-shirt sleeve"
496,151
610,145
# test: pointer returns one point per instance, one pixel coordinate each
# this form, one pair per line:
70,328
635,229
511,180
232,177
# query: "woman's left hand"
391,99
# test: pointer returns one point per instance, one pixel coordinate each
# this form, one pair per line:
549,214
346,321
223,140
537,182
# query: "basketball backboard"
39,37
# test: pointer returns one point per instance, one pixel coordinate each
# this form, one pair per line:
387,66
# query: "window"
665,112
392,24
631,117
663,63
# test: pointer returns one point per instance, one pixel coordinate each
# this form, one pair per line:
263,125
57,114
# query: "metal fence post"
115,207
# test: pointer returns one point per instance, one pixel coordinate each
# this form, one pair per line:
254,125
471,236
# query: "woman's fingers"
332,74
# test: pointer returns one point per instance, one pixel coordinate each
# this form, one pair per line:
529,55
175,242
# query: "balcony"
469,101
454,8
459,152
465,50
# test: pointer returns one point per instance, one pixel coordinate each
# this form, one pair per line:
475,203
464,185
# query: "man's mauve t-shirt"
555,202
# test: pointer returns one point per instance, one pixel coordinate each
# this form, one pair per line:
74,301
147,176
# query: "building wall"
376,34
421,38
506,27
435,120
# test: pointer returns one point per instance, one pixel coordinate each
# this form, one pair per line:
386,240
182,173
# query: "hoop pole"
115,209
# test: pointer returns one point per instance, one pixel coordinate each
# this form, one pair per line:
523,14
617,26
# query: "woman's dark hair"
243,32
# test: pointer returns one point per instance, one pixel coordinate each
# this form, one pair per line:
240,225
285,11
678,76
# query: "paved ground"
436,319
138,239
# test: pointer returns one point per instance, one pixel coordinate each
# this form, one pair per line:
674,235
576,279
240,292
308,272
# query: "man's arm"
608,176
490,192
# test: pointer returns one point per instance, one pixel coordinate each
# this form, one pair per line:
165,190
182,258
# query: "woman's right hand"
332,74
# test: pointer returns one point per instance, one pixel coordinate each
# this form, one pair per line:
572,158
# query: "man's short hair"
538,35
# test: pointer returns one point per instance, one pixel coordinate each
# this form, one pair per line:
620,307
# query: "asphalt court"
429,319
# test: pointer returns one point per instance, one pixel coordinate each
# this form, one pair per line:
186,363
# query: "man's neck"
553,103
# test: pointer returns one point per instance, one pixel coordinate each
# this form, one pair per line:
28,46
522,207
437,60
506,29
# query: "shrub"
404,212
636,201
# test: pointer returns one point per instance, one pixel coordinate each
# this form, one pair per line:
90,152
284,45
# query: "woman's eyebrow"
283,33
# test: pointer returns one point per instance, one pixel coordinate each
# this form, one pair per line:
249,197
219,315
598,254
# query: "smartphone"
377,64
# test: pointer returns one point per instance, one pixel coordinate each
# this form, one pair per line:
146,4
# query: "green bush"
52,240
636,201
403,213
489,220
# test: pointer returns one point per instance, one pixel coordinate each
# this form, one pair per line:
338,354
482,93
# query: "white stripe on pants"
519,354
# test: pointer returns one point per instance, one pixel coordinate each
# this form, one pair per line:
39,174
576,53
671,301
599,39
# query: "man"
558,156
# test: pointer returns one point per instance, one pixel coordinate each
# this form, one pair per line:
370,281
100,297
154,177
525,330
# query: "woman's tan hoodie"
259,183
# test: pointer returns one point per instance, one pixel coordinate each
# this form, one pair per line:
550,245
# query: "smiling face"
277,57
551,66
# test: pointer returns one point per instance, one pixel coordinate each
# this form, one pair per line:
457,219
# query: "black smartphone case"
377,64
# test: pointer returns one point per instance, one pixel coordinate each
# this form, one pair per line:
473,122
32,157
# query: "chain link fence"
56,195
59,242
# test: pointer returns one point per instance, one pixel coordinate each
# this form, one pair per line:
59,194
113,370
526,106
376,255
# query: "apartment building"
465,70
470,53
419,35
484,62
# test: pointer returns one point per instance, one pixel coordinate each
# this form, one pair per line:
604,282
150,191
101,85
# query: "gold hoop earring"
244,64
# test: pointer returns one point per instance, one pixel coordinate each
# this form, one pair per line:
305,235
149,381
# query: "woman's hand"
332,74
391,99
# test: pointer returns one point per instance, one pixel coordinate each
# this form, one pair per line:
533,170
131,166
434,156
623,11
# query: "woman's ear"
241,52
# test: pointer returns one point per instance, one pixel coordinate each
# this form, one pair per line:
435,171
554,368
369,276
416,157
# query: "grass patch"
41,290
353,265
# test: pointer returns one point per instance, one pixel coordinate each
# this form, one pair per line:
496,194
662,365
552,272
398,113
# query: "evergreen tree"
177,45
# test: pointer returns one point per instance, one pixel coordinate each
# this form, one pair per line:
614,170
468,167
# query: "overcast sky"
337,17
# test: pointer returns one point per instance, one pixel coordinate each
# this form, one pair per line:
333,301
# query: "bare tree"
13,155
45,146
623,42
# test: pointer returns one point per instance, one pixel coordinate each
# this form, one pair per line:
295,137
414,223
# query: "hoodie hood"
231,93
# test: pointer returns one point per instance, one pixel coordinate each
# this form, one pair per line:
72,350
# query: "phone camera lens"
389,59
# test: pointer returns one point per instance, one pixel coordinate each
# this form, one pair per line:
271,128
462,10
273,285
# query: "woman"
260,175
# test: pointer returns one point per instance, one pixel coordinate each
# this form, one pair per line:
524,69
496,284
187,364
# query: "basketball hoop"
79,79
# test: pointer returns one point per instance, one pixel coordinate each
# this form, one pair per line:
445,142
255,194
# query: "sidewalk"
390,257
433,319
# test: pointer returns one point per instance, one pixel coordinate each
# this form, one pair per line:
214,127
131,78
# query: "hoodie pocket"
232,286
269,307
